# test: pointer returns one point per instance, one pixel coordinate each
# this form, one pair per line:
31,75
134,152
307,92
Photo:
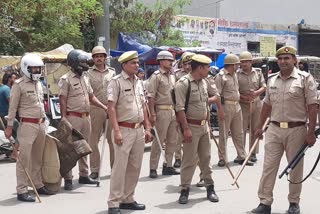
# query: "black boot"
86,180
177,163
221,163
94,175
68,185
153,173
200,183
26,197
184,196
114,210
211,194
44,191
294,208
169,171
262,209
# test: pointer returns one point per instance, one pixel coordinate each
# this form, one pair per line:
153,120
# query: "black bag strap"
187,97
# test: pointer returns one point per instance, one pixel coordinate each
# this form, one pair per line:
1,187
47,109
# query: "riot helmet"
29,62
78,61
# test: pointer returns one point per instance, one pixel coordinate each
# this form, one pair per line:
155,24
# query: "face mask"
35,77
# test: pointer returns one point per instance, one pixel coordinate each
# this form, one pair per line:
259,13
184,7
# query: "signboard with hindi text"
268,45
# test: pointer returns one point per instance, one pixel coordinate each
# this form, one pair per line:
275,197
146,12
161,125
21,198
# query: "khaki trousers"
31,137
166,126
233,122
98,120
254,116
178,152
198,152
83,125
278,141
127,165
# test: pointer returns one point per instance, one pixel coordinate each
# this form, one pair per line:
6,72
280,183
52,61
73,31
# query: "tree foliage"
38,25
152,22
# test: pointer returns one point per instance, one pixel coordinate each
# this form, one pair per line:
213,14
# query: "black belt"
286,125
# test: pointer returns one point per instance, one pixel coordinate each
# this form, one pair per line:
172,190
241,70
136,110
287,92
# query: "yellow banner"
268,46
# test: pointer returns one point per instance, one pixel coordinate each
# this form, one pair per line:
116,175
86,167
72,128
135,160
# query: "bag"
173,95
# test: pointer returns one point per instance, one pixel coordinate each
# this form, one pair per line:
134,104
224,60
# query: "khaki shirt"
27,98
77,90
128,97
180,73
289,98
99,81
198,101
160,86
227,85
252,81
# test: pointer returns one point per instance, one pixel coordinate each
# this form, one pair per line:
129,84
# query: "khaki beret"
126,56
187,57
286,50
201,58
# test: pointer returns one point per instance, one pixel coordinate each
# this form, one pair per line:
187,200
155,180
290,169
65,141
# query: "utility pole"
102,25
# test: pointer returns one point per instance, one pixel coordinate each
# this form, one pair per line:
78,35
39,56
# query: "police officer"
290,93
162,114
27,98
227,84
128,114
193,120
99,76
184,70
75,97
251,86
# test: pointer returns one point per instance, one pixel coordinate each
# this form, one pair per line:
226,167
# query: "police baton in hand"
250,152
296,159
24,169
102,152
227,165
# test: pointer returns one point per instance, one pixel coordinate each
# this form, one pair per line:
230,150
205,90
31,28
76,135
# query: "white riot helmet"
32,60
165,55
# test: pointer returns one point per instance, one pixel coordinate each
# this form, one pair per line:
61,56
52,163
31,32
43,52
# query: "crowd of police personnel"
172,110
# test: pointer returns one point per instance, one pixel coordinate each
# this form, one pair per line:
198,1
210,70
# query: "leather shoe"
68,185
240,162
294,208
211,194
262,209
169,171
200,183
253,158
86,180
26,197
177,163
44,191
114,210
153,173
94,175
221,163
184,196
132,206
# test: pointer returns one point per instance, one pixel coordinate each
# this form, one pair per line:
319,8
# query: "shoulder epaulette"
273,74
65,76
116,77
303,73
18,80
111,68
157,72
221,73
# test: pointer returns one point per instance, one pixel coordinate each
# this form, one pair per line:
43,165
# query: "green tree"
39,25
152,22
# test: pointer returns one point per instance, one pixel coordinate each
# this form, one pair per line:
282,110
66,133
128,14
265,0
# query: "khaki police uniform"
27,98
99,82
77,91
129,99
178,74
198,152
288,99
160,85
252,81
228,88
